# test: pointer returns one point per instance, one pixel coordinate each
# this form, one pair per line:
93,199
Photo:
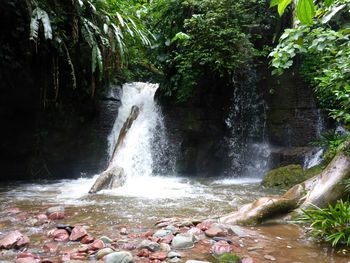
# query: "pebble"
87,239
162,233
119,257
78,233
164,247
14,239
172,228
106,239
152,246
158,255
269,257
55,213
238,231
103,252
221,247
254,248
173,254
214,231
183,241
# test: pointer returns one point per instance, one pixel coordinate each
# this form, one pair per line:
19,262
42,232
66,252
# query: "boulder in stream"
113,177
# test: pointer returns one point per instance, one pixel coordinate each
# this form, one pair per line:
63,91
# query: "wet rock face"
293,118
196,129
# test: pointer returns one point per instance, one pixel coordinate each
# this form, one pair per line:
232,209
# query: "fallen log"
320,190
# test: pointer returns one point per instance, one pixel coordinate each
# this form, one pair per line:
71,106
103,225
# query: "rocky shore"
49,237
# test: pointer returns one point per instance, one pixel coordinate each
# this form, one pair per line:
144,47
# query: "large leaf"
282,6
328,3
275,2
38,16
333,12
305,11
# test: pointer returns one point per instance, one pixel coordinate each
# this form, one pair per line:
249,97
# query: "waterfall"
139,152
313,158
249,149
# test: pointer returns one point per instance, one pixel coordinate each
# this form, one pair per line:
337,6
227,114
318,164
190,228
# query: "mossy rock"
229,258
288,176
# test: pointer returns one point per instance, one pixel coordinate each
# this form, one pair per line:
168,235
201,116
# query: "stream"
152,192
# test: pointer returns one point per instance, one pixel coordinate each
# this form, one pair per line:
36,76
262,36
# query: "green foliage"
325,49
198,39
38,16
333,142
331,224
229,258
108,27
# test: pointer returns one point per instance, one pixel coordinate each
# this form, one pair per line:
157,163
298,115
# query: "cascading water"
249,149
138,154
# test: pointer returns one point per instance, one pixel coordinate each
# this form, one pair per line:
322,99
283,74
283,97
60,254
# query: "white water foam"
312,159
135,155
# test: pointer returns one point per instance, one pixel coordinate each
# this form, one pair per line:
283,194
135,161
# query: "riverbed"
145,200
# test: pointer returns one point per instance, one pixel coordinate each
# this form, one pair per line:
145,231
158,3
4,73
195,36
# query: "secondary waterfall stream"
153,191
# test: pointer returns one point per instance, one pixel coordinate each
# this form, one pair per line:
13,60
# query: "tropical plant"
198,39
324,48
331,224
107,27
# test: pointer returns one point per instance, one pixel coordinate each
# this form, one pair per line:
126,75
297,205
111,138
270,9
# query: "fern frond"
72,70
38,16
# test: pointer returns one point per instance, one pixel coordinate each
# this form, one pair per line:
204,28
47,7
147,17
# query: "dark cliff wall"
198,128
41,136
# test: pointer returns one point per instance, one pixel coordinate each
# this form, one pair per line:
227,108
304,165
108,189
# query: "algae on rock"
288,176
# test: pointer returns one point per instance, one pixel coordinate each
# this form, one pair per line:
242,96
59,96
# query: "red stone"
215,232
60,235
56,216
154,239
51,260
42,217
78,256
66,257
21,216
78,233
143,253
247,260
87,239
221,247
158,256
205,225
14,239
50,247
96,245
147,234
167,239
27,255
13,210
26,260
195,231
128,246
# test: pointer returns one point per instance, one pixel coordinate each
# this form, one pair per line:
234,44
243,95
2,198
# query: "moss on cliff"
288,176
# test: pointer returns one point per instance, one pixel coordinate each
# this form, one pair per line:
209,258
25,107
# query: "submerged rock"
221,247
14,239
119,257
103,252
55,213
113,177
78,233
183,241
